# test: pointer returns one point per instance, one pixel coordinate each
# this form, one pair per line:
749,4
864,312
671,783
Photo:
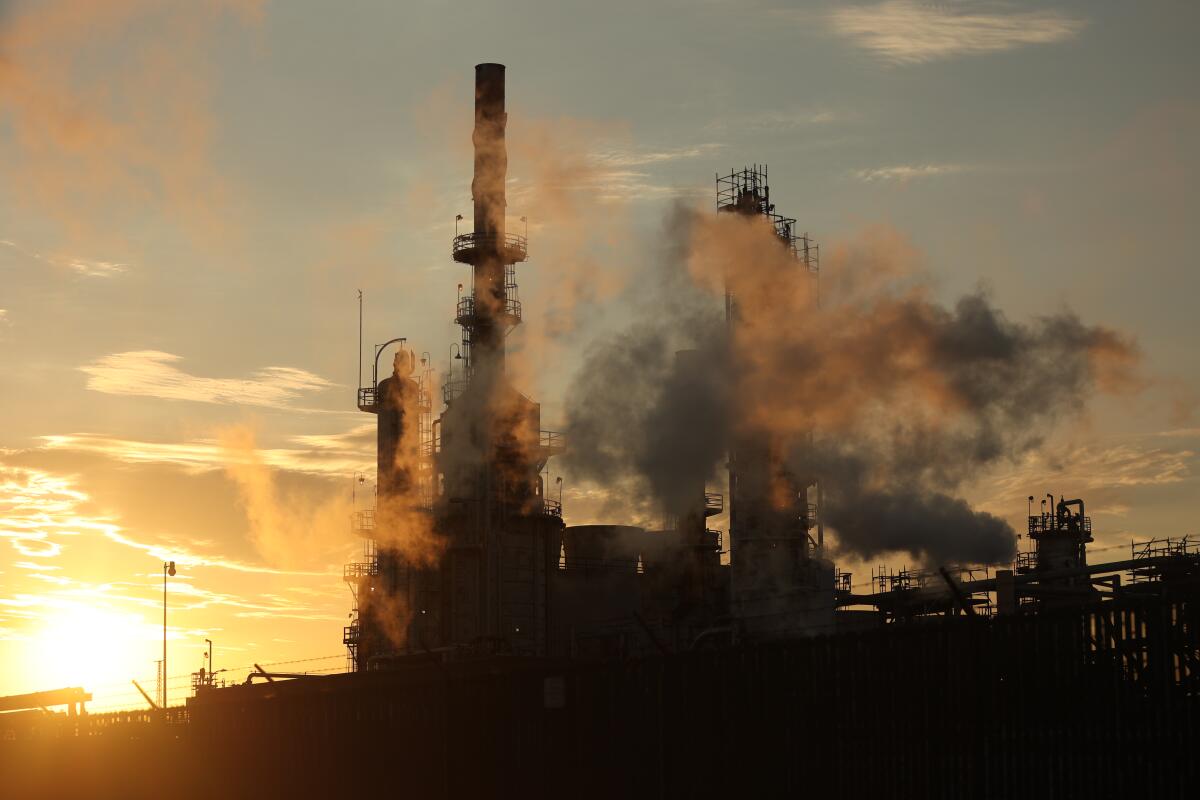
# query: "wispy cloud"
908,32
906,172
613,173
1098,467
37,508
1104,472
625,157
91,267
30,565
337,454
33,506
1182,433
191,558
775,120
152,373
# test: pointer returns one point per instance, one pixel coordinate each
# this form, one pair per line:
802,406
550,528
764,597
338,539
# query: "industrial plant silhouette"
497,652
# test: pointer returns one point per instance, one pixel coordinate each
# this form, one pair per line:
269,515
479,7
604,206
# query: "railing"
1185,548
368,399
514,248
551,508
1165,547
363,522
887,580
841,582
1026,561
714,503
1052,524
600,564
452,389
360,569
551,440
466,310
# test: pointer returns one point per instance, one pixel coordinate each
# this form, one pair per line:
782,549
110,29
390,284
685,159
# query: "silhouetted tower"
501,535
1061,537
779,581
391,581
491,309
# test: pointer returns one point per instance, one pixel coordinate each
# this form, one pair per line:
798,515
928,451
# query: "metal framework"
746,191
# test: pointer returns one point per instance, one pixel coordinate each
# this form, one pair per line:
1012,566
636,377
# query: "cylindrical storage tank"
397,441
608,546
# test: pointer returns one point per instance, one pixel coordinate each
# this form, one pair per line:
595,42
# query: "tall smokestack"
487,192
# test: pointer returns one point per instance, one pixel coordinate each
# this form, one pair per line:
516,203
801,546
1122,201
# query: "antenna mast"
358,385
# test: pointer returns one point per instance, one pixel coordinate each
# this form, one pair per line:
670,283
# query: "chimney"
491,156
487,192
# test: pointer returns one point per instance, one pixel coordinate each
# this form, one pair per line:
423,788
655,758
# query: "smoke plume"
402,523
891,399
107,106
288,528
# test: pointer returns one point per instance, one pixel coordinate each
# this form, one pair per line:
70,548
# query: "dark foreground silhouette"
1074,704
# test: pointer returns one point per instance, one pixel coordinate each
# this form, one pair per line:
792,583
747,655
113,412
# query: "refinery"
496,651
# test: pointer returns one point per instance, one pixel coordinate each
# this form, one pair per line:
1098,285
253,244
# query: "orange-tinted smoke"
109,108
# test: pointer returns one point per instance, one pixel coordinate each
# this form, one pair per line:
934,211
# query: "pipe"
1064,504
989,584
956,590
271,676
378,352
153,704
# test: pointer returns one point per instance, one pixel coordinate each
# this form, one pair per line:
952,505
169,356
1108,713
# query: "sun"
101,650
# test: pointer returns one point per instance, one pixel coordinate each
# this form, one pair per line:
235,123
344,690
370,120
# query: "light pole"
360,478
210,666
168,569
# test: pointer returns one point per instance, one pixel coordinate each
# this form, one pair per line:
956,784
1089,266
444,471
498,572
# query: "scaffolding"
746,191
1148,557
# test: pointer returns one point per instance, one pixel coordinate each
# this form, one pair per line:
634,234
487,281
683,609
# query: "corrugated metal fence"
1093,704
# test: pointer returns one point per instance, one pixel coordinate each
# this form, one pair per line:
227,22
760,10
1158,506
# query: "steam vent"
495,651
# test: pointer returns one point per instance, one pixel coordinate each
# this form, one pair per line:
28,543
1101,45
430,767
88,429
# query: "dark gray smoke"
891,400
638,418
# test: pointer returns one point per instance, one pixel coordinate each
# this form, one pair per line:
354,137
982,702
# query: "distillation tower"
781,583
464,535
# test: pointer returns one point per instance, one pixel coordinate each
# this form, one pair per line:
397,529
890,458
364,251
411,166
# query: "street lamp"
210,666
168,569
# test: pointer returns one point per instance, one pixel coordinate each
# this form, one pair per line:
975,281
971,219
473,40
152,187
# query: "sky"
192,193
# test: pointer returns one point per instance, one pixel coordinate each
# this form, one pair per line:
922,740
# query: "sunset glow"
192,194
